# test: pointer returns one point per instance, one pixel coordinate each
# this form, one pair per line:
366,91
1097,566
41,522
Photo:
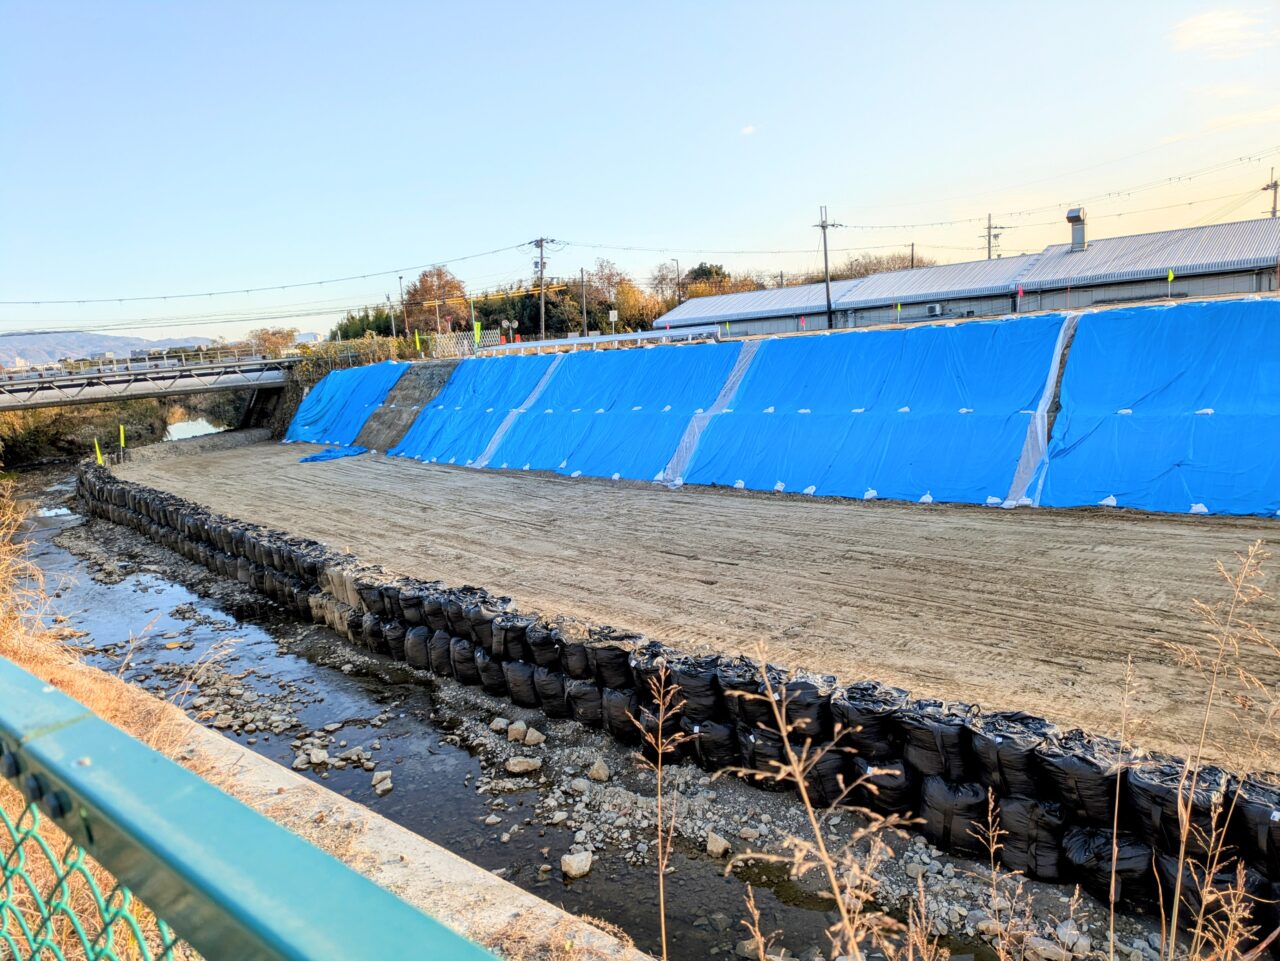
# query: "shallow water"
130,627
194,427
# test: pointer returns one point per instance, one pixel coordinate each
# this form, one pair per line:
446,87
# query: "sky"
151,149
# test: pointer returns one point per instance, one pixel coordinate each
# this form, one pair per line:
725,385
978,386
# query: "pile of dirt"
416,389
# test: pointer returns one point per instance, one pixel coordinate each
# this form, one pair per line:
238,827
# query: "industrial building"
1234,258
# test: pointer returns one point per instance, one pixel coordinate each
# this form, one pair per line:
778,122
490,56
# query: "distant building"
1236,258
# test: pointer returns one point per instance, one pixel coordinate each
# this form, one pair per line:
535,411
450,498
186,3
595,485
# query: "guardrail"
215,877
706,332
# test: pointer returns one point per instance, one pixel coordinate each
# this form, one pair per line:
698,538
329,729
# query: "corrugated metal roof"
1245,245
979,278
751,304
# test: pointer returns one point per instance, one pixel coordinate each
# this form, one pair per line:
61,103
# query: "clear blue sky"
152,148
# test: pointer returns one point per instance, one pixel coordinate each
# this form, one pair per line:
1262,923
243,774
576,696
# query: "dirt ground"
1028,609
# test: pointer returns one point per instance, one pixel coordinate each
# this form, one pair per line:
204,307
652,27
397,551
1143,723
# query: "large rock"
1042,949
576,865
523,765
599,771
717,846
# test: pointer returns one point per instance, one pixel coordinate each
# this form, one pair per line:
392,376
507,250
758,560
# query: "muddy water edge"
290,690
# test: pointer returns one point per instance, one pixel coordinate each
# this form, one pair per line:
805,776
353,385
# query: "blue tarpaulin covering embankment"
617,413
334,410
1173,409
937,413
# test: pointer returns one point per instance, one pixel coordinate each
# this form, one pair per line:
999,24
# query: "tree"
356,325
272,341
437,287
864,265
705,273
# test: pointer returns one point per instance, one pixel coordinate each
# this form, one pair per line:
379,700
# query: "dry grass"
531,936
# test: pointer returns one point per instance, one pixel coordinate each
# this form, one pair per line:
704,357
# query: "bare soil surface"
1028,609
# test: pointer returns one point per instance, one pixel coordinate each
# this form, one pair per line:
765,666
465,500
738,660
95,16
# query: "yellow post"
97,450
417,341
122,436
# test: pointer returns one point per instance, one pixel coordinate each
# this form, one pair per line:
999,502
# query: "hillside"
47,348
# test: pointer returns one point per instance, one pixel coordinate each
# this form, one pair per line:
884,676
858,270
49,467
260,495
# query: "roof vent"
1075,217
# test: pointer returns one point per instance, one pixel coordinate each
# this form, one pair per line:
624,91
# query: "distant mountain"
35,348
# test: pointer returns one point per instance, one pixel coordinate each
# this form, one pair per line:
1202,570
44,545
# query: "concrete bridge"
100,382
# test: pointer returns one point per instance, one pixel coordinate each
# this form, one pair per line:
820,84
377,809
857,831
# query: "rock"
989,927
748,834
523,765
1082,945
720,921
559,817
599,771
533,737
382,787
516,731
380,777
492,819
1067,931
576,865
746,948
318,756
914,870
1043,949
301,763
222,721
717,846
579,785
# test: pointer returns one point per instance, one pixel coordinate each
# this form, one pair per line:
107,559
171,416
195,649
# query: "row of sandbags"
1054,792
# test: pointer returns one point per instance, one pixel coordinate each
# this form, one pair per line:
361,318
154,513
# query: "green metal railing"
104,826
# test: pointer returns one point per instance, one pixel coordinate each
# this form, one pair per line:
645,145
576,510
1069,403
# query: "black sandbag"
648,664
415,647
391,602
866,713
481,612
1268,916
585,702
1255,823
1224,889
462,652
546,652
743,689
828,779
492,678
371,596
519,676
371,631
699,688
621,714
954,815
609,652
1032,839
1152,790
455,611
439,650
1081,770
550,685
711,745
509,642
1088,855
393,634
936,739
433,610
667,734
807,697
764,752
1004,752
411,607
573,657
886,785
355,625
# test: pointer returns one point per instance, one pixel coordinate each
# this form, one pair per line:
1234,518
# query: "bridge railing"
110,850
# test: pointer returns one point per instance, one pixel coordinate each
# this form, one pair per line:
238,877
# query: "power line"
258,290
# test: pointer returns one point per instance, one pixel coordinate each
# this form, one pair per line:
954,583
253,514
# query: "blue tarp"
937,413
1173,409
616,413
333,453
460,422
334,410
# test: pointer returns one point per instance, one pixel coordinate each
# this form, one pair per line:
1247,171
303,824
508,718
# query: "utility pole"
677,263
1274,187
403,315
824,225
913,255
392,315
582,273
541,244
780,280
992,234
